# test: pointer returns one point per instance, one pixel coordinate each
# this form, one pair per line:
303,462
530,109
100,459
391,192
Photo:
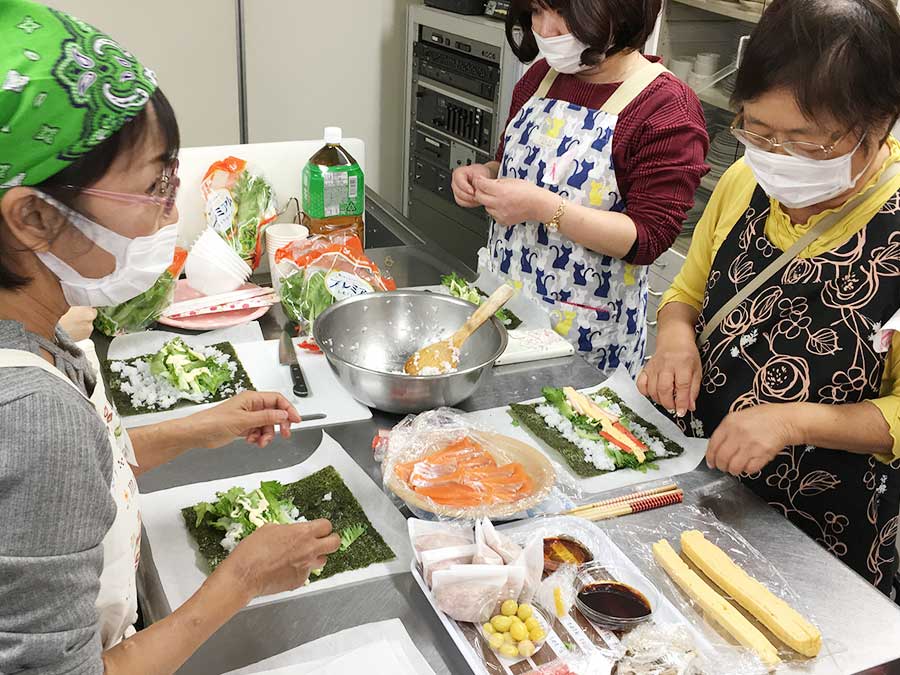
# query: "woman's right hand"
277,558
464,183
672,376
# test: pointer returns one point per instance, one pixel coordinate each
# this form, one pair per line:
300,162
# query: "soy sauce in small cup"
616,600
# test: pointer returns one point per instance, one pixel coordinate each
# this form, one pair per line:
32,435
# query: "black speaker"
459,6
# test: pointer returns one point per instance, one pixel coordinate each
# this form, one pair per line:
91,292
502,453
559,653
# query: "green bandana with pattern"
65,87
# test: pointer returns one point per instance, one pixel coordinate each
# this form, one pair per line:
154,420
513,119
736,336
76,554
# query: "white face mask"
797,182
563,53
139,262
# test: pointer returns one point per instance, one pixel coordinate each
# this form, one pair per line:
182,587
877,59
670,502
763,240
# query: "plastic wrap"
669,526
484,554
444,467
324,269
238,205
140,312
426,535
596,650
471,593
445,558
505,547
556,593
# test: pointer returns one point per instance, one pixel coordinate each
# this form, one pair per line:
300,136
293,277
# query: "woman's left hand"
511,201
749,439
252,415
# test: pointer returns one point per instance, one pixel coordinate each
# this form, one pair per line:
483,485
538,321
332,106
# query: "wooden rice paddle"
443,357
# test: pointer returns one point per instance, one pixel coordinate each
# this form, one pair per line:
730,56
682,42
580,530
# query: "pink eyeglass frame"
168,191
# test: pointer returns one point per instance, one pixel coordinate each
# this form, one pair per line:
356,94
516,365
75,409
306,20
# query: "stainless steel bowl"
367,339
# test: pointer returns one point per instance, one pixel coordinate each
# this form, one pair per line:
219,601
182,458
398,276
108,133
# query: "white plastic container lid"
333,135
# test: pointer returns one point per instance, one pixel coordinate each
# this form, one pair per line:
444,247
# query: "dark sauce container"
605,597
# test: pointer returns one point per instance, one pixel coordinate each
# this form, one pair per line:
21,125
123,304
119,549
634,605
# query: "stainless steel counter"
860,624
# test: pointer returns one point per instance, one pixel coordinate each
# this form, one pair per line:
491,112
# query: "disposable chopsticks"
646,500
224,302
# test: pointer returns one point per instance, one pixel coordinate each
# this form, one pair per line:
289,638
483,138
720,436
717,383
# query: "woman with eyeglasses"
87,191
793,382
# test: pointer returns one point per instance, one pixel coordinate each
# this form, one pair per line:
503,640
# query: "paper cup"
681,68
706,64
281,234
277,236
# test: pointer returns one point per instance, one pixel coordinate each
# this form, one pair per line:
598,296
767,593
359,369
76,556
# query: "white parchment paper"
381,648
181,568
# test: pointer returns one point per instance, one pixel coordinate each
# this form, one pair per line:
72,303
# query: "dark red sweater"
659,150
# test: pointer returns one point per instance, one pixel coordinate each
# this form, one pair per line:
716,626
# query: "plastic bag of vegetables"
323,269
141,311
238,204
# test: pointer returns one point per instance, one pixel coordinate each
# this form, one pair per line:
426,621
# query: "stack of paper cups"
277,236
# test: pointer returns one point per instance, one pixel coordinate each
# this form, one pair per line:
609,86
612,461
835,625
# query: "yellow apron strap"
546,83
631,88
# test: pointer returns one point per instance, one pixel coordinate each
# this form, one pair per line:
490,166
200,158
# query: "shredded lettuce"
305,296
188,370
238,512
460,288
351,534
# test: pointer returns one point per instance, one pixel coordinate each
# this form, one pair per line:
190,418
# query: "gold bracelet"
553,225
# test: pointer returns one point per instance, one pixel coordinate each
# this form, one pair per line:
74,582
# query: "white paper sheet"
182,570
534,345
621,383
380,645
148,342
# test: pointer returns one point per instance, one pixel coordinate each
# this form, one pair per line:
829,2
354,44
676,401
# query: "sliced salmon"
465,474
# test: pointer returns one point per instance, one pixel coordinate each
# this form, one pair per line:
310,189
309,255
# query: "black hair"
840,59
90,168
606,26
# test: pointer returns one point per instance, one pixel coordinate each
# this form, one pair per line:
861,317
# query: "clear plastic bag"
444,467
470,593
144,310
670,525
324,269
238,205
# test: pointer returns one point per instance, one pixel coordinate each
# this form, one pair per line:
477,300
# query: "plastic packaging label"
333,191
220,211
343,285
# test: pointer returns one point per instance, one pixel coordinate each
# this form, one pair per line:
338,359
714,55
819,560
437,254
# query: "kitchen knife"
288,357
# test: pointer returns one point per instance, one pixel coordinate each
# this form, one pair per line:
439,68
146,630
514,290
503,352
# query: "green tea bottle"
333,189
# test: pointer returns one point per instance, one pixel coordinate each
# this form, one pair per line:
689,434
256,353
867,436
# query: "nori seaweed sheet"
342,510
514,320
122,400
528,416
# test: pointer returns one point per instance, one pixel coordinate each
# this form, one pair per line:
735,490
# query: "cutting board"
260,359
175,554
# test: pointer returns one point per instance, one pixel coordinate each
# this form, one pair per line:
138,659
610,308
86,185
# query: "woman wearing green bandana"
87,190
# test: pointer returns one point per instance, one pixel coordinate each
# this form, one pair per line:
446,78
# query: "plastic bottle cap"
333,135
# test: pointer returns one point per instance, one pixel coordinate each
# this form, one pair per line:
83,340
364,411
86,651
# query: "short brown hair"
606,26
840,59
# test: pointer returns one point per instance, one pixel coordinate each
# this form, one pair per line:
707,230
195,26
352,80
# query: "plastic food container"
626,592
539,615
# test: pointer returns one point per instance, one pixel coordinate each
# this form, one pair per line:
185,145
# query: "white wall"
191,44
311,64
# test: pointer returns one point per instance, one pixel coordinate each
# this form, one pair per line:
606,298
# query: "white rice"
595,452
156,393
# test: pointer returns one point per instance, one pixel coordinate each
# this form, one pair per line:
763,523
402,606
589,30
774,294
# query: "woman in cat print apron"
87,192
599,163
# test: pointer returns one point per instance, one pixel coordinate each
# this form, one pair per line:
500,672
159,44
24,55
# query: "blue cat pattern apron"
597,302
